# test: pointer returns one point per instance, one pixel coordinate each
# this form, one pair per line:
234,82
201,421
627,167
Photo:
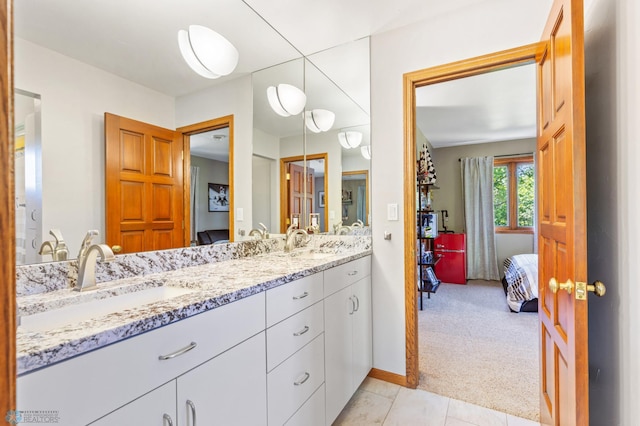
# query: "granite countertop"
205,287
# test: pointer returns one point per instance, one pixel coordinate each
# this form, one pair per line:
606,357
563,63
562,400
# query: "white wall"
75,97
446,39
262,195
612,43
268,147
232,98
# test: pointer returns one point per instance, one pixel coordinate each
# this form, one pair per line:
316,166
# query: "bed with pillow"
520,282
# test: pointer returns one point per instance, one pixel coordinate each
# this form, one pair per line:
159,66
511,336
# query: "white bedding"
521,274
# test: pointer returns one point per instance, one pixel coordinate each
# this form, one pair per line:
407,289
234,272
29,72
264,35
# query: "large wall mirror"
75,58
336,80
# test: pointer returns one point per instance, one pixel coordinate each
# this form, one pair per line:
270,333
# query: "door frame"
7,218
465,68
283,185
186,132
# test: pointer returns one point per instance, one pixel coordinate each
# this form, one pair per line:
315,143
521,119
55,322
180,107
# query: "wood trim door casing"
366,173
7,220
192,129
283,185
452,71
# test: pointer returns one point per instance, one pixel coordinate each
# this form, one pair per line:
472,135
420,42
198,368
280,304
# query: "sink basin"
72,314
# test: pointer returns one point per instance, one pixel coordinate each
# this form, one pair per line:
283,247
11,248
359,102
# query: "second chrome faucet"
87,259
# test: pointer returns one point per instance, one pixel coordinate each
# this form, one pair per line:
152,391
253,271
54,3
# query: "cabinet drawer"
311,413
286,337
341,276
291,383
89,386
287,299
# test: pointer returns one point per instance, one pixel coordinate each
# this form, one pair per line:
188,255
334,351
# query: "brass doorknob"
598,288
554,285
116,249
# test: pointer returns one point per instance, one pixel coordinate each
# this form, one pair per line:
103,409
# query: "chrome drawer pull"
302,296
193,411
178,352
167,419
301,381
353,306
357,308
352,273
301,332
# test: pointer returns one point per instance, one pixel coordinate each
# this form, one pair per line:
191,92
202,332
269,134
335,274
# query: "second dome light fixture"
207,53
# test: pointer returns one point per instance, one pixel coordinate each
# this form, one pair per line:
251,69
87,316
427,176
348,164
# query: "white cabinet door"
362,332
230,389
338,329
156,408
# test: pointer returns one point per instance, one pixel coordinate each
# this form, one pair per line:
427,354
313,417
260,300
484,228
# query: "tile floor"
380,403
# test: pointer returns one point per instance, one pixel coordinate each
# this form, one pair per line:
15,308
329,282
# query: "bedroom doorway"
561,216
468,340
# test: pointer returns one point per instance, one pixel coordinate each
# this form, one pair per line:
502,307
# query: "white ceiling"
137,40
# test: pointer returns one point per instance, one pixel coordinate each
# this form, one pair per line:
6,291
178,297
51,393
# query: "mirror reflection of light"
350,139
286,100
366,152
319,120
30,169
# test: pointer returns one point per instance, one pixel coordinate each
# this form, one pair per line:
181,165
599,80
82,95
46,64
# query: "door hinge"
288,176
182,155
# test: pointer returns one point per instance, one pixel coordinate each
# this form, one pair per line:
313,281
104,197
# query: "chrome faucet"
86,242
357,224
58,249
344,230
87,265
263,232
290,240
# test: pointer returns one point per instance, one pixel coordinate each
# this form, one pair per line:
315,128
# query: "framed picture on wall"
219,197
320,198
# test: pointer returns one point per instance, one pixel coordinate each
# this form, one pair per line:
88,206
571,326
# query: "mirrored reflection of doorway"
302,194
355,197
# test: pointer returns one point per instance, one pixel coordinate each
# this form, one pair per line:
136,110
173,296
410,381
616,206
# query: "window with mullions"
514,194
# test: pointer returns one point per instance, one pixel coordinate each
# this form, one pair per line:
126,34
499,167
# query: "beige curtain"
477,183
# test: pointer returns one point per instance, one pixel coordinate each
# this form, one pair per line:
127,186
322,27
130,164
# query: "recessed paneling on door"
144,180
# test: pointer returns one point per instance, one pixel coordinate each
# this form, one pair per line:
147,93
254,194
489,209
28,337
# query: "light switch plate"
239,214
332,214
392,211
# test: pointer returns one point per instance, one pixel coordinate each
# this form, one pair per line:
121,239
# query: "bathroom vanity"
272,339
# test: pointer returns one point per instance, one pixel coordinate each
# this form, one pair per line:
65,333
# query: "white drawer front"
91,385
287,299
294,381
286,337
335,279
311,413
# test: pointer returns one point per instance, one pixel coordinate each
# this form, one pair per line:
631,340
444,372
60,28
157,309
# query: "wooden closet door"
144,186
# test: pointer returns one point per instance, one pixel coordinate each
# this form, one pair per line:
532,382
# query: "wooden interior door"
562,241
144,186
296,191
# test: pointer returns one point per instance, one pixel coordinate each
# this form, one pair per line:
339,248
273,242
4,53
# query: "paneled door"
562,218
144,186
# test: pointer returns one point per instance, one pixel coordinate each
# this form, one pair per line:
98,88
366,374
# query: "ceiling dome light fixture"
286,100
207,53
366,151
319,120
350,139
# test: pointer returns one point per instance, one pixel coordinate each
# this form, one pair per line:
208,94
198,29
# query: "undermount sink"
75,313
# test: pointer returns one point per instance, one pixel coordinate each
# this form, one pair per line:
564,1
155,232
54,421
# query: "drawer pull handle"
352,273
301,381
192,406
357,308
302,296
353,306
167,419
301,332
179,352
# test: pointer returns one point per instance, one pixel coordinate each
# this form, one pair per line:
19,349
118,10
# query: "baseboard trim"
388,377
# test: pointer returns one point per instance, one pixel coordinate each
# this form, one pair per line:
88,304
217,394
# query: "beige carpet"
472,348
